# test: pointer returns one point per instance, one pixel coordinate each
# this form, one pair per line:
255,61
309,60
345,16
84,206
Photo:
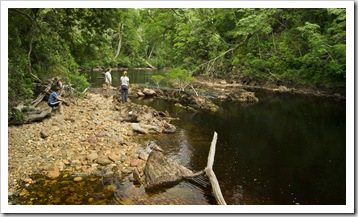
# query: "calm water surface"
283,150
286,149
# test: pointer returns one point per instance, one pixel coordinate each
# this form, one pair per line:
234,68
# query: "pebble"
28,180
77,179
43,134
126,171
134,162
111,188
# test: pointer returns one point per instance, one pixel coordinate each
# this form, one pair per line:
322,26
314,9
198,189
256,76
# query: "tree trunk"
150,53
120,32
149,65
38,116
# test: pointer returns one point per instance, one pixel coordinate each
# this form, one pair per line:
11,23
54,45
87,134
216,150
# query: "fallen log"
37,116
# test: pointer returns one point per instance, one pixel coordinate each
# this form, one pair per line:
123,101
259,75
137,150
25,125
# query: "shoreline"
90,136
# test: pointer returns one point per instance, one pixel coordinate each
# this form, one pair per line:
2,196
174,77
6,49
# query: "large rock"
138,129
140,93
92,156
103,160
149,92
160,170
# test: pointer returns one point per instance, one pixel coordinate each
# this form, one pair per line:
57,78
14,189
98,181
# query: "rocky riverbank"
242,89
92,135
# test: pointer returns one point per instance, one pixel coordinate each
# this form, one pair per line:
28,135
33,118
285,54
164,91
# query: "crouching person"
55,100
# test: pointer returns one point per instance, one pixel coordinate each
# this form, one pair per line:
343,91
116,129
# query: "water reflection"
284,150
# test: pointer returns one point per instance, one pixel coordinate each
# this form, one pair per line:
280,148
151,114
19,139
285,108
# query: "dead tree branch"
211,175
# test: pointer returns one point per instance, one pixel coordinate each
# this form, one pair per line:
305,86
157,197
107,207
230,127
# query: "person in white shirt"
124,86
108,80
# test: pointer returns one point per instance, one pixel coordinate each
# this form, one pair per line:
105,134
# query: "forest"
297,45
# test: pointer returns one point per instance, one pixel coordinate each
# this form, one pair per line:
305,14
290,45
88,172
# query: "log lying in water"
160,170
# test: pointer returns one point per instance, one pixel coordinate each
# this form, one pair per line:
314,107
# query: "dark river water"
284,150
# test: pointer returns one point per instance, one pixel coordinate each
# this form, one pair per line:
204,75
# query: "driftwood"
43,93
42,89
210,173
33,117
160,170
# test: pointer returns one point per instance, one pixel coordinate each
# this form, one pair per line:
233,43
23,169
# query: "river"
284,150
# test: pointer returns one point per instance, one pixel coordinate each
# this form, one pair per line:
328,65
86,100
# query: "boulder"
92,156
103,160
160,170
149,92
138,129
140,93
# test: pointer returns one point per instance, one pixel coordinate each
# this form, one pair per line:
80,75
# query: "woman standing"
125,86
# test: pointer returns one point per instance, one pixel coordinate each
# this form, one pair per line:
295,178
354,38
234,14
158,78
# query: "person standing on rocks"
55,100
124,86
108,80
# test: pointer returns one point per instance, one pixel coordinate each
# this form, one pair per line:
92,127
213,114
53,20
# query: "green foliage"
157,79
78,81
305,45
179,78
15,116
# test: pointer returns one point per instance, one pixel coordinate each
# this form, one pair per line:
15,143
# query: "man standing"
108,80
